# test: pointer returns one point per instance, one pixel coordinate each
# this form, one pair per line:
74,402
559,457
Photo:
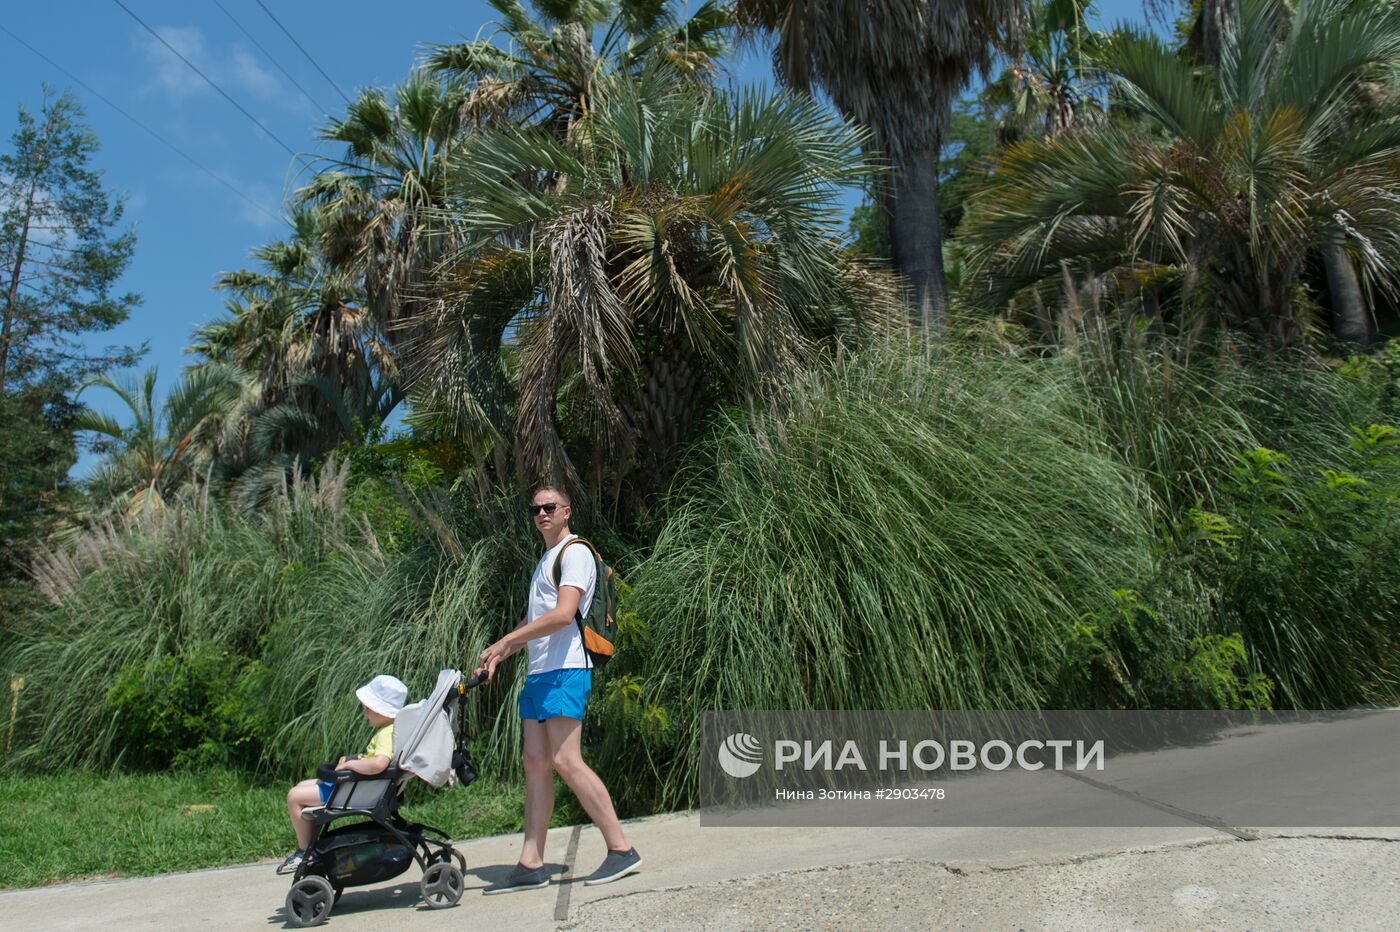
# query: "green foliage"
310,357
869,231
60,259
235,638
958,532
37,448
199,709
549,74
167,447
1213,674
1378,374
1106,650
58,256
1129,656
1179,412
675,244
1211,187
970,529
1307,570
386,474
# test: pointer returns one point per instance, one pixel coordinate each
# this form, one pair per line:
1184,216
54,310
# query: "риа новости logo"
740,755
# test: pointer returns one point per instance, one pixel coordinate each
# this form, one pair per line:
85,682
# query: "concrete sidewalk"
723,878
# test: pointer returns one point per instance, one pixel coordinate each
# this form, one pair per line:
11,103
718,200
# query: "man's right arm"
524,620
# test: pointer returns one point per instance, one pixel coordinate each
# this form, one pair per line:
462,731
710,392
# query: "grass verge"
78,825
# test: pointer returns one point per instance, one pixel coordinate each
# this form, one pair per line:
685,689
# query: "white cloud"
234,69
245,70
265,196
265,212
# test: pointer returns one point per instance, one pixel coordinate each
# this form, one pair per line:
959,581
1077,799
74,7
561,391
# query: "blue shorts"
556,694
325,787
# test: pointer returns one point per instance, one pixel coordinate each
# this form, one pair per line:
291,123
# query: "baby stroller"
429,743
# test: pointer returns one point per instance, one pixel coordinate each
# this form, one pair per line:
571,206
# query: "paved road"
1213,884
1190,871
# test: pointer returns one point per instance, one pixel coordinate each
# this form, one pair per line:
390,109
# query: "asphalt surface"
1284,883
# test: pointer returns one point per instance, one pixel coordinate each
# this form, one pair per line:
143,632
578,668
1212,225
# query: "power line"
207,79
269,56
303,51
152,133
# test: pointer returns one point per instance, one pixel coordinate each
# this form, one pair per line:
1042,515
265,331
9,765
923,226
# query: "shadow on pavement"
407,894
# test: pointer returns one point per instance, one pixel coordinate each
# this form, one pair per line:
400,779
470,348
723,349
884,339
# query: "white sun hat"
383,694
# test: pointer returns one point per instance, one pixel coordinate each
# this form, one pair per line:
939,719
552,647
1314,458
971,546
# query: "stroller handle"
474,681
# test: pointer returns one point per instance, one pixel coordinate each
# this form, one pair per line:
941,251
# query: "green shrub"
1377,376
1214,675
1113,657
199,709
1305,564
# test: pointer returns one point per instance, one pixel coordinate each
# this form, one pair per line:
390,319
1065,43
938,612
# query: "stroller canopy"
423,732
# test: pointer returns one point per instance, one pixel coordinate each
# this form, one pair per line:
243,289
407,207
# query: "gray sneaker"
521,878
615,866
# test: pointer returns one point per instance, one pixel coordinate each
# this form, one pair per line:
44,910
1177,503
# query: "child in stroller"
380,700
428,743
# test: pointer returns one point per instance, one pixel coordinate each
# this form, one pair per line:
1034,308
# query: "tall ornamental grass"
201,637
1180,414
971,530
905,532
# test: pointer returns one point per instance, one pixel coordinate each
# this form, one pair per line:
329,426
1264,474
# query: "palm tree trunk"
1211,25
916,237
674,380
1351,318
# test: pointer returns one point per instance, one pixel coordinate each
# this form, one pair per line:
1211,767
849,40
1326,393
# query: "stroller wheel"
442,885
452,854
309,901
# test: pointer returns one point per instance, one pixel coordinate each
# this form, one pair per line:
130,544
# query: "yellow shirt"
381,743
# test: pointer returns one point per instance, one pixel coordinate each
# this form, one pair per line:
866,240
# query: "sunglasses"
547,508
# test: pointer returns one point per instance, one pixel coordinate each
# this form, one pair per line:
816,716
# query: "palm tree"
894,67
297,316
164,447
550,63
372,203
674,244
1234,177
299,331
1049,83
377,199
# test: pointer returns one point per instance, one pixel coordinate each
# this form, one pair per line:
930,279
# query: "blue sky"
190,227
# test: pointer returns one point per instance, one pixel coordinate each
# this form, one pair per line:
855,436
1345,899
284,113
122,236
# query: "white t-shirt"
562,650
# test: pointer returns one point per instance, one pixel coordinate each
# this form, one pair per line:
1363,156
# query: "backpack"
599,627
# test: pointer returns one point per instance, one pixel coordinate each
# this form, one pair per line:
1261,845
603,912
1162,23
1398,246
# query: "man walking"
553,699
